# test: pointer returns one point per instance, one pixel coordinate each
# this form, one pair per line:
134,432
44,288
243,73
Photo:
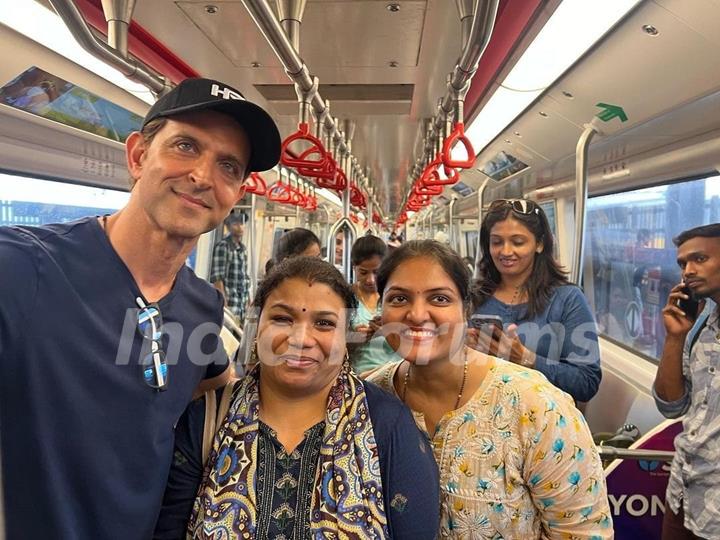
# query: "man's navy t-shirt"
86,443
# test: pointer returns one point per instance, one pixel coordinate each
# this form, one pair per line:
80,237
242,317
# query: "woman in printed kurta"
306,450
516,458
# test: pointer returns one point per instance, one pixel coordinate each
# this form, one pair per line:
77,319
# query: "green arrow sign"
610,112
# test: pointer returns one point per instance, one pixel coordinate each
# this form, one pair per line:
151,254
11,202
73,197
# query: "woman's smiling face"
301,336
423,314
513,248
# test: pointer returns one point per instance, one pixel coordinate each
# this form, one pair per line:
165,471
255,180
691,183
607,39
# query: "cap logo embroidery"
225,93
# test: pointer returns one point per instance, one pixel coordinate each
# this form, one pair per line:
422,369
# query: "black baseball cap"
198,94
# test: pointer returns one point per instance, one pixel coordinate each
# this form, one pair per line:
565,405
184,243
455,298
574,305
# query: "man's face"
237,229
699,260
188,178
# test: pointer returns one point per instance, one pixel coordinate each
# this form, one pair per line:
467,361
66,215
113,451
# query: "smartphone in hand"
486,323
689,306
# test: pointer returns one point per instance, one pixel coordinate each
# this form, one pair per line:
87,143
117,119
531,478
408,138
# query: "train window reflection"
629,265
31,201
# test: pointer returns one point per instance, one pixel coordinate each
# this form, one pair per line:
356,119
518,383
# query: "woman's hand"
505,345
517,352
364,333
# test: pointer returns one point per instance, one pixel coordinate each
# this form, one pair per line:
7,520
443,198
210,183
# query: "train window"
31,201
471,242
549,209
629,265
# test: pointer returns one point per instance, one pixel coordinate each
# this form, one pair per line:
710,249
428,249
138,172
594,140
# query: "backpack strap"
215,416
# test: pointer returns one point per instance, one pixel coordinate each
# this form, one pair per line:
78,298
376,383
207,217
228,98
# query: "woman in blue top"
546,321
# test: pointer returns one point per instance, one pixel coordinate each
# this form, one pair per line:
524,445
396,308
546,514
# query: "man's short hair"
235,217
705,231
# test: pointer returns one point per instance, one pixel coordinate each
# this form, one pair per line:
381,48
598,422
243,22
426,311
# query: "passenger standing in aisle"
547,323
293,243
688,383
369,350
105,333
229,270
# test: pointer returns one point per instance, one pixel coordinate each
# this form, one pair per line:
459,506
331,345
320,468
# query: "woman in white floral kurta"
516,457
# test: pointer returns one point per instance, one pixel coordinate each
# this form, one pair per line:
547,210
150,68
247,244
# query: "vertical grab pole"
581,191
255,253
478,255
451,227
348,236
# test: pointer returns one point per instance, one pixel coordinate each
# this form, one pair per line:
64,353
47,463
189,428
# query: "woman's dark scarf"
347,501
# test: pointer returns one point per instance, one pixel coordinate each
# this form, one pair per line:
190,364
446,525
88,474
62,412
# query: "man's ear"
241,193
135,148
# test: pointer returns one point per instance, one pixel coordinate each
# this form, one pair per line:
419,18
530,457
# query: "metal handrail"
296,69
451,227
132,69
480,197
231,324
349,240
611,452
483,21
581,193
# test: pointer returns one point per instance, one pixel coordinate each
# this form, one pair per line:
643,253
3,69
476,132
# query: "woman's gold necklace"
462,384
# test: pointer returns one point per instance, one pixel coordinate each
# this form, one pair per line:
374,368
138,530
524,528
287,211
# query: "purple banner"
636,488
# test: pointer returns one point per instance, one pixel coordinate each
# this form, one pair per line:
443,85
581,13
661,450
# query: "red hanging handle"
458,135
279,192
303,134
356,196
339,183
431,176
311,203
354,218
417,202
376,218
419,188
296,197
255,184
326,171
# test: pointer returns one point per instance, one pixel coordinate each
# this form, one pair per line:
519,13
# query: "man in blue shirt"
687,383
105,333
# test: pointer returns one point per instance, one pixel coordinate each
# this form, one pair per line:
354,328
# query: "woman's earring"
346,360
253,354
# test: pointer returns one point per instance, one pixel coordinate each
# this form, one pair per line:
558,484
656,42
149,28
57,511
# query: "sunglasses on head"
153,365
520,206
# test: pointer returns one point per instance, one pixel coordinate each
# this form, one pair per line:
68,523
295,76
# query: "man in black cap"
229,269
105,333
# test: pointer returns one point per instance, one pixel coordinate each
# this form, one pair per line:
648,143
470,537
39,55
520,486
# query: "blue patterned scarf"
347,501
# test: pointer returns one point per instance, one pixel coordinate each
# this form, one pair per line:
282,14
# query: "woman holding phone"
546,321
368,350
